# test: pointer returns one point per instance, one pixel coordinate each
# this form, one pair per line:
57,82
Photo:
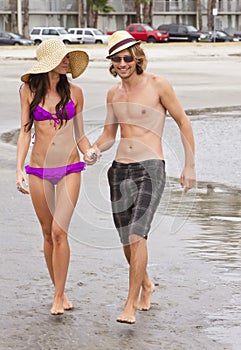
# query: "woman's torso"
54,145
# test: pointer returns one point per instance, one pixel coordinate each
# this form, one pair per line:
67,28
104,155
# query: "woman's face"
63,67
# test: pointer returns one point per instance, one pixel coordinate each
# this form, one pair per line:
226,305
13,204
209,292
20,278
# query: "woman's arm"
23,139
82,141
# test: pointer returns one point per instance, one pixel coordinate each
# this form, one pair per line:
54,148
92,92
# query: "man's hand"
188,178
92,155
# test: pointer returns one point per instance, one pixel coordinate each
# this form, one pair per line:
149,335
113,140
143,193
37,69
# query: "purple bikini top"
41,114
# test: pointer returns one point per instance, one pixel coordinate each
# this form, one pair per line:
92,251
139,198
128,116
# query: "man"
138,105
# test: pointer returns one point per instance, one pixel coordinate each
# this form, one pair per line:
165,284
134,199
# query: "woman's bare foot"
57,308
145,301
127,316
67,303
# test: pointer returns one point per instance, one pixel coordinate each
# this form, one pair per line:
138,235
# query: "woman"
54,106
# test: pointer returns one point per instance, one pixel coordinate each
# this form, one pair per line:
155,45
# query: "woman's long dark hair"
38,85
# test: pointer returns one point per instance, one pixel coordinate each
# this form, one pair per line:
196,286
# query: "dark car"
218,36
8,38
181,32
237,36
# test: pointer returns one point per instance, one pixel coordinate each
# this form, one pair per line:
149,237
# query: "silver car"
89,35
39,34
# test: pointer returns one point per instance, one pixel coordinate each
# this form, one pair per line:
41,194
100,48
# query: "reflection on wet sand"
216,208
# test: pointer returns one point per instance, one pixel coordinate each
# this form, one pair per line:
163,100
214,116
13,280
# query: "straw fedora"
50,53
120,40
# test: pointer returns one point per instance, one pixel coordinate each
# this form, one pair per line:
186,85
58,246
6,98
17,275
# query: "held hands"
92,155
21,180
188,178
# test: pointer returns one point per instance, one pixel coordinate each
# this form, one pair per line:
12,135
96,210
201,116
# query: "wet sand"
196,302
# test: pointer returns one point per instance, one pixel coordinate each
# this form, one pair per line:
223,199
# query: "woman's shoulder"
75,88
76,92
25,92
24,89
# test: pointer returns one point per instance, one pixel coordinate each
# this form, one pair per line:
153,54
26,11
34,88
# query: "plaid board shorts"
135,193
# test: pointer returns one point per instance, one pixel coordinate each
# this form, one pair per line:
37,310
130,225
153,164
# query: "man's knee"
137,239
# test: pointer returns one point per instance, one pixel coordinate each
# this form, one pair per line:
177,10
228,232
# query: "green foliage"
102,5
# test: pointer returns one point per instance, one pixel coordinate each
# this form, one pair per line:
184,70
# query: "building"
65,13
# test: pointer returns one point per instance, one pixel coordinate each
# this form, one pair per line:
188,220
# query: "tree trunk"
147,12
90,13
26,18
138,11
199,14
211,6
95,25
13,16
81,18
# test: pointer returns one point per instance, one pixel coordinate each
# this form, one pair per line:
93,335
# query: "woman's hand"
21,180
92,155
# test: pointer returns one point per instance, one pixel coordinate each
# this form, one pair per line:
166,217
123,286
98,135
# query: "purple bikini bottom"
54,175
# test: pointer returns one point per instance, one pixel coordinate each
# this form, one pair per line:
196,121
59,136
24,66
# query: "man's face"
124,64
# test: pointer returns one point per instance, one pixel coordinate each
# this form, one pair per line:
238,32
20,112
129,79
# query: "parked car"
181,32
39,34
237,36
89,35
145,32
8,38
218,36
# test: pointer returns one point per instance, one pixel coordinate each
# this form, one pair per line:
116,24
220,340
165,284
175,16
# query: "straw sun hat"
119,41
50,54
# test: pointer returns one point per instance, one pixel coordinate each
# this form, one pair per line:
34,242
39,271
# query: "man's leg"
136,254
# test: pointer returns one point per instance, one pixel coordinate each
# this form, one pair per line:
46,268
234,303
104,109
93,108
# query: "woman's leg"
42,195
66,198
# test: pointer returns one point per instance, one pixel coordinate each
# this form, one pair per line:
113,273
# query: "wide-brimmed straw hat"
49,55
120,40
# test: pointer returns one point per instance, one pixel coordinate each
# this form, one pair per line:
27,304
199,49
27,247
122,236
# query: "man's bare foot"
145,301
127,316
67,303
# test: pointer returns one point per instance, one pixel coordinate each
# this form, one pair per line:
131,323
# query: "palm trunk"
90,13
26,18
13,16
81,19
199,14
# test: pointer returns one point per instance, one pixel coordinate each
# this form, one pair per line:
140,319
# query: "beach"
194,245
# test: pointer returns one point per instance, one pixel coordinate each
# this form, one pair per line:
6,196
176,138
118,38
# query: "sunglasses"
118,59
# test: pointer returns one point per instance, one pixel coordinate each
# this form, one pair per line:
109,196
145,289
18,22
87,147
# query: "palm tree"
148,12
26,18
199,14
92,9
144,11
13,16
81,18
100,5
90,13
211,6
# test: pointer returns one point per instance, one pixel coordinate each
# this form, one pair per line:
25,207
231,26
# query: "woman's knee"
58,233
47,233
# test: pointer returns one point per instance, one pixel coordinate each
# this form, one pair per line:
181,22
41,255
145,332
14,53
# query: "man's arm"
170,101
107,138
